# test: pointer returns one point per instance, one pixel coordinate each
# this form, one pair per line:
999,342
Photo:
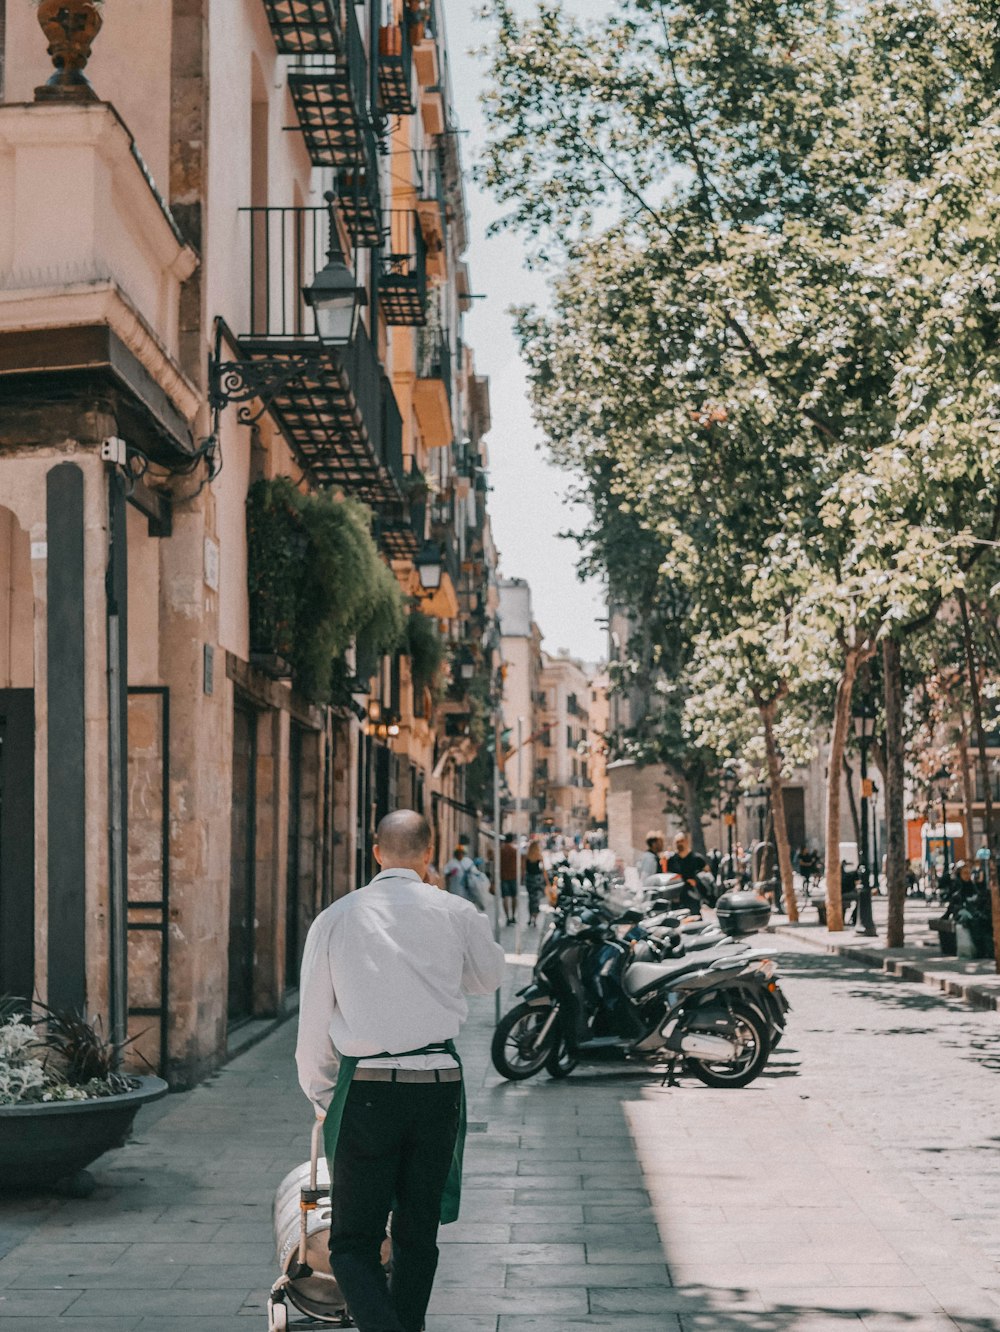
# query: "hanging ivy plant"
317,583
426,652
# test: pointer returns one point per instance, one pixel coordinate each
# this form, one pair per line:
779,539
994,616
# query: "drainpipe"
116,591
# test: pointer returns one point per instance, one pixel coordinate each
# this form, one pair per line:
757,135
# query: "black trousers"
393,1153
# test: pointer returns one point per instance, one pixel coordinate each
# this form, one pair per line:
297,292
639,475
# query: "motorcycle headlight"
574,924
765,969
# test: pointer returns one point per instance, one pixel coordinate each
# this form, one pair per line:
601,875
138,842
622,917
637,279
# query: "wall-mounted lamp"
430,566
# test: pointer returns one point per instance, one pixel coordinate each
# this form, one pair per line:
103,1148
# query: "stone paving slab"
974,981
856,1185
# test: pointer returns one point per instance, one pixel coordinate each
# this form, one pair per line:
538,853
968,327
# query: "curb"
981,997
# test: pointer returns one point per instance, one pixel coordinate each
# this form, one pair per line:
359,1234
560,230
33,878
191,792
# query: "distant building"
521,654
598,749
562,765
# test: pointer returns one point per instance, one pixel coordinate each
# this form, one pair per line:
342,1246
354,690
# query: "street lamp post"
942,780
760,798
730,785
864,713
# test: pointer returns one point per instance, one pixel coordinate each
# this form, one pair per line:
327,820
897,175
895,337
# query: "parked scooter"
590,999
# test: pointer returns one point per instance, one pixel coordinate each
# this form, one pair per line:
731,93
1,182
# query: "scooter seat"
641,975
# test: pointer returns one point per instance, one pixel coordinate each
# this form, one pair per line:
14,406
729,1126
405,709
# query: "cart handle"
317,1138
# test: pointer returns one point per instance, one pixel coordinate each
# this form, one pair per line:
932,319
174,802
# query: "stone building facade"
175,808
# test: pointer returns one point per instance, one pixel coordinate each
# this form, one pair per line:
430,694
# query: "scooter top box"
668,888
740,912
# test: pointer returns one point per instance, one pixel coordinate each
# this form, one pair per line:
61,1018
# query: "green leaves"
317,583
773,345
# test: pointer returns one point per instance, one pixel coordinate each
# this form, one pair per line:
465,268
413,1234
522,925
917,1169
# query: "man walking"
508,877
382,996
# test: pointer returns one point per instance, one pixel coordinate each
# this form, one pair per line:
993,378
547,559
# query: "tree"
765,293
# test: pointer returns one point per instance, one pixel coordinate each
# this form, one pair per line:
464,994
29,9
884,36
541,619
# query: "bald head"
403,841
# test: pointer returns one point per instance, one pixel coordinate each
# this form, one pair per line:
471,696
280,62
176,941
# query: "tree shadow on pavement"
891,991
715,1309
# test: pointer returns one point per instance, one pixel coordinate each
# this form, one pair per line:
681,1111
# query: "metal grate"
331,412
305,27
359,196
330,100
402,284
395,70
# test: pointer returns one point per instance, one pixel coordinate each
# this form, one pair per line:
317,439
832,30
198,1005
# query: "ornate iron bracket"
263,379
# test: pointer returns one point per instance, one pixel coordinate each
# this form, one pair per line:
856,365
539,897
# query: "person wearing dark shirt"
508,877
688,864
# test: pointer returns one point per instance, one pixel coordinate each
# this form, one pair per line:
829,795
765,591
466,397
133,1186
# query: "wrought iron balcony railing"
402,283
358,194
431,207
335,406
395,70
434,358
330,93
306,27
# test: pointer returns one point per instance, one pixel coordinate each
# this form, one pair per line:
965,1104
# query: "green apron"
452,1196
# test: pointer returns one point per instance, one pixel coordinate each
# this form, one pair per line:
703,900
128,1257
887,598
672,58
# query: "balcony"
329,93
402,284
431,208
358,195
432,390
394,527
395,70
335,406
305,27
91,270
432,110
423,36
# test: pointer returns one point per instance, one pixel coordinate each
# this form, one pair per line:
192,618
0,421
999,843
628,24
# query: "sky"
527,503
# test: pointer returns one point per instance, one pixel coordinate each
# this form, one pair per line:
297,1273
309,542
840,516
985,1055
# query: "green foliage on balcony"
317,583
425,649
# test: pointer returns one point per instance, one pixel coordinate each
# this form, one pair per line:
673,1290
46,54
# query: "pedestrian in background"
508,877
536,879
689,865
651,860
382,996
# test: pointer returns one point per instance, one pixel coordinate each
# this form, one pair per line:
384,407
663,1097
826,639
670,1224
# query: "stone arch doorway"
17,761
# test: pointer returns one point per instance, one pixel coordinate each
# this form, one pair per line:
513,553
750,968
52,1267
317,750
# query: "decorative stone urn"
70,27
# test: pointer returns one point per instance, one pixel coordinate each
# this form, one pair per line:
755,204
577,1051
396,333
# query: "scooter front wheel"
750,1029
523,1041
560,1063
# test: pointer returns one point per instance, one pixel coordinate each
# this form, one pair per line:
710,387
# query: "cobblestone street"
857,1183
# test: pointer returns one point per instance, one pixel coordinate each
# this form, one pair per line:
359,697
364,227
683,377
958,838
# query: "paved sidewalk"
830,1193
976,982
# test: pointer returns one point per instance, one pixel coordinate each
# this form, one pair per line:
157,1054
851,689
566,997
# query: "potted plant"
63,1100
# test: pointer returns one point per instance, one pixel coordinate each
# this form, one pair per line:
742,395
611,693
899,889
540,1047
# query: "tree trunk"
965,773
895,816
984,774
693,814
776,783
838,740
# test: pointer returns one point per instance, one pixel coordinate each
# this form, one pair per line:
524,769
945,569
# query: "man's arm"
483,964
314,1053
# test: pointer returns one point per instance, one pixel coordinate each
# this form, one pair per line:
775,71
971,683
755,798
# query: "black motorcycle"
590,999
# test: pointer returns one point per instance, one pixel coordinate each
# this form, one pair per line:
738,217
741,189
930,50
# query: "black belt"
362,1074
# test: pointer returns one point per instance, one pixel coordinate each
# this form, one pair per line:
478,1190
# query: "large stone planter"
41,1144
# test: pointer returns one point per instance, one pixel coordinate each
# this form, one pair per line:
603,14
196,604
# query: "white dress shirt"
387,969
